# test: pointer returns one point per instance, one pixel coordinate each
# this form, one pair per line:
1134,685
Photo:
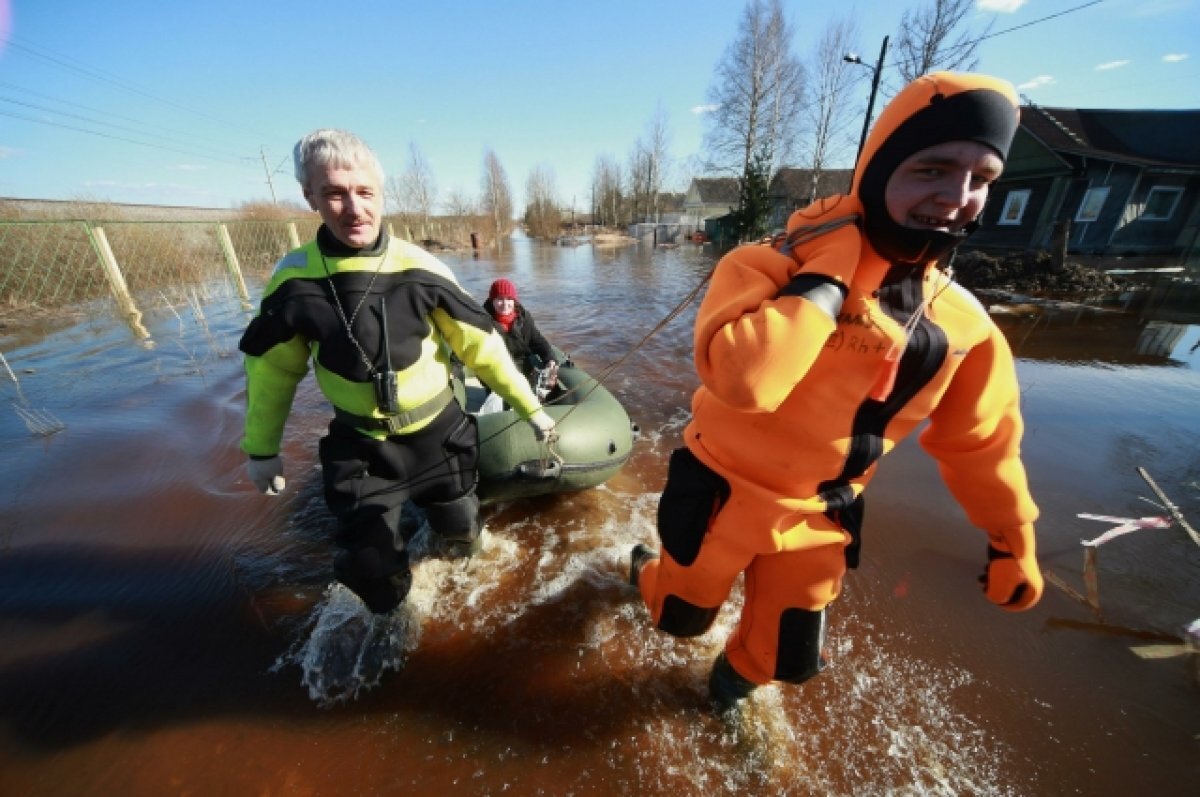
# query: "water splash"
344,649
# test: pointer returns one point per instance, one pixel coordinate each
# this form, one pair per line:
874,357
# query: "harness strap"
392,424
808,232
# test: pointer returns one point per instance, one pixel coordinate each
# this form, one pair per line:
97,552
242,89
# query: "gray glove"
267,474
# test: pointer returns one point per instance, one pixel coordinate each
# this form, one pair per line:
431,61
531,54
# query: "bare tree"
413,192
496,203
461,217
542,215
936,36
828,116
638,175
656,150
759,92
608,197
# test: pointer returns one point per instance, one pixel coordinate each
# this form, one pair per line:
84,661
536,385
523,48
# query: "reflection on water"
1091,335
164,629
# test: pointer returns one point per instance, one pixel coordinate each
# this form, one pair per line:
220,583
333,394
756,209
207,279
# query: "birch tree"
830,118
542,215
608,196
639,182
657,149
496,202
937,36
461,216
413,192
758,92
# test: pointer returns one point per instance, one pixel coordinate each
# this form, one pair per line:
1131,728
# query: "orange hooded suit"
809,376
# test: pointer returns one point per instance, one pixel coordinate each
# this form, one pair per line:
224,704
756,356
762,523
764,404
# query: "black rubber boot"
362,572
461,549
726,686
637,560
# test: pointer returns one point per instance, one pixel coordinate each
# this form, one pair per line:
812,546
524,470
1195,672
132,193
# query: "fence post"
231,263
116,281
293,236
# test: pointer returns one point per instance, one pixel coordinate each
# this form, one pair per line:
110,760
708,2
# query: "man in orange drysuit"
817,358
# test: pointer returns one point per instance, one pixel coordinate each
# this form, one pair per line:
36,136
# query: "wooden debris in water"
1189,645
41,423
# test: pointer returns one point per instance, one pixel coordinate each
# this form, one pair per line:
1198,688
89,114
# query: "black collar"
330,246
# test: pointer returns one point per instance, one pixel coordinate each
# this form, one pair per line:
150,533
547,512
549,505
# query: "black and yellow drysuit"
798,403
427,450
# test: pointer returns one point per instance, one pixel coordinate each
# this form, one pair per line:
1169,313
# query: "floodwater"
165,630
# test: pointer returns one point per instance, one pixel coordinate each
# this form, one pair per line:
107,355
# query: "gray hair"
339,147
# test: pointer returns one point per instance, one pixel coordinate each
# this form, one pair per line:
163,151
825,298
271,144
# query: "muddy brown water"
151,602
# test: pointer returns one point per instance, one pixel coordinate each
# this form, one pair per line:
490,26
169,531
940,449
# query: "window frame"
1176,190
1018,200
1088,201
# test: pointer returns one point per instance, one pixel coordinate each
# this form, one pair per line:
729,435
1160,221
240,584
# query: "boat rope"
548,451
608,370
782,243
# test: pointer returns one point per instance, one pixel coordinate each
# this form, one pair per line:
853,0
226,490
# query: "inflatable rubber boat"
595,438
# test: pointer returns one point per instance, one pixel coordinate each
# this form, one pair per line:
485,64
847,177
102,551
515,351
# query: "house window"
1161,203
1093,201
1014,207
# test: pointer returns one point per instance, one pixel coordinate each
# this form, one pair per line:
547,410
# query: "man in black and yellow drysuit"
816,357
376,316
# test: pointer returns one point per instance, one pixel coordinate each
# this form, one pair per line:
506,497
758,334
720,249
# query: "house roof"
716,190
797,183
1164,138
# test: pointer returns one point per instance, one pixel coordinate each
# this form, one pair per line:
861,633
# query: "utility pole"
851,58
270,184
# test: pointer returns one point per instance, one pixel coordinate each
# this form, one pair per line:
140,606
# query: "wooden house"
710,197
792,189
1101,183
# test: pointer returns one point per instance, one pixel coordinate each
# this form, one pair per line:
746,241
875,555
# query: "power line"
1037,21
862,77
964,45
174,132
89,120
109,136
65,62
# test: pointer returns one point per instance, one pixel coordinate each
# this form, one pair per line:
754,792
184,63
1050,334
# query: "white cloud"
1112,65
1000,6
189,167
1037,82
700,109
8,152
1174,58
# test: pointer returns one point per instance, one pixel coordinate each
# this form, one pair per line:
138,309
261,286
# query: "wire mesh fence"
47,264
136,264
153,275
184,288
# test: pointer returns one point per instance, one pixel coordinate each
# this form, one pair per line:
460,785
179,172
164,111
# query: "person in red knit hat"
529,348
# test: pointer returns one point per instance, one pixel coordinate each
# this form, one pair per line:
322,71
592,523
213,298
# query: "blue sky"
178,102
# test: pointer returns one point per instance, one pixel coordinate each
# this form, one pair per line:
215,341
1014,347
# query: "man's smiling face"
942,187
350,201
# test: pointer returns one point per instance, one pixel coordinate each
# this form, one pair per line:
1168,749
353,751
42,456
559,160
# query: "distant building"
710,197
792,189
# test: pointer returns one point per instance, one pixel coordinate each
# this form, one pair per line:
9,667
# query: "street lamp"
851,58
